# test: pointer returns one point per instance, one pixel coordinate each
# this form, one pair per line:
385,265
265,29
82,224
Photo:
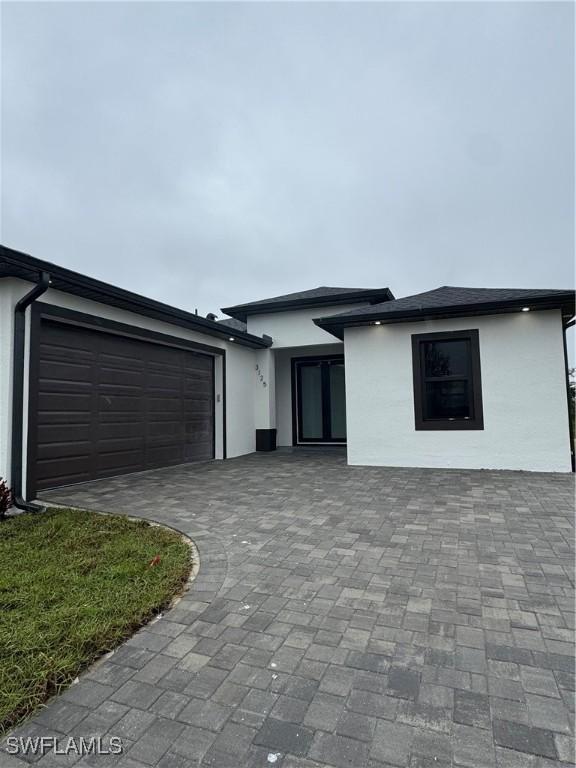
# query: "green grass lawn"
73,585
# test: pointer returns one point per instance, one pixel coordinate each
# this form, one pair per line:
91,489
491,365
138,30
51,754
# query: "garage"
104,404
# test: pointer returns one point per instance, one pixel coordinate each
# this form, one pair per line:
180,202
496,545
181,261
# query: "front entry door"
320,400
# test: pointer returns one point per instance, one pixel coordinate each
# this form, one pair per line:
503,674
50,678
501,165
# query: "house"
97,381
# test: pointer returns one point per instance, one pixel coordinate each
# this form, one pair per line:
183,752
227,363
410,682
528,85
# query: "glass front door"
320,402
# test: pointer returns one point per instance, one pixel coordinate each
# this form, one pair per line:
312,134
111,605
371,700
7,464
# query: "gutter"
18,391
335,324
571,426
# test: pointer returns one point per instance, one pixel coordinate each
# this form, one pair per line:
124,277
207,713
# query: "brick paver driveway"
343,616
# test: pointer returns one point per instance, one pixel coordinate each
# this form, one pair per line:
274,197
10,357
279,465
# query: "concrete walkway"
342,616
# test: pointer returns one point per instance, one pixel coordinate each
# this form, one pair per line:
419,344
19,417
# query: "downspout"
570,422
18,391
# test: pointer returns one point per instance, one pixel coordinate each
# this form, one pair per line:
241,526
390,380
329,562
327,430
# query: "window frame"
474,379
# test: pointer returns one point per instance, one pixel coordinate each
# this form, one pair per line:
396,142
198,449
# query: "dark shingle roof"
450,301
231,322
312,293
315,297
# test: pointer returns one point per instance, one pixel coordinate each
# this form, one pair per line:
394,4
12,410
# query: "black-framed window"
447,382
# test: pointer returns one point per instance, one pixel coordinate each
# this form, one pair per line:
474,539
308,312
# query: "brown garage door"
103,405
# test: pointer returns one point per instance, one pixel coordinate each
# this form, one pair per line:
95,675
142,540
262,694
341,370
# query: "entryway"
319,400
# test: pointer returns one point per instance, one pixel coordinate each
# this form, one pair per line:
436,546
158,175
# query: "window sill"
450,426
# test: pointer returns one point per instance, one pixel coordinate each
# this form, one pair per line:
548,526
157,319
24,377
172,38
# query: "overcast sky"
210,154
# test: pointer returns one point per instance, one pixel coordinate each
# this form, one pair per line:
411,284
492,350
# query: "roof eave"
242,311
335,324
25,267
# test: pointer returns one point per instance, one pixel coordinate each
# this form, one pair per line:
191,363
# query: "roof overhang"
335,324
25,267
242,311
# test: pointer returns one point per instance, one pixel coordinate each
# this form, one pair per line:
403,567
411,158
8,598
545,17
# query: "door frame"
54,313
295,361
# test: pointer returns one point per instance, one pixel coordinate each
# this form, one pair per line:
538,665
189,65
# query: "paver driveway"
343,616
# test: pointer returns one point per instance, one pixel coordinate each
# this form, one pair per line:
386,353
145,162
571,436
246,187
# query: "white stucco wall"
296,328
240,389
523,391
9,293
283,359
240,365
265,390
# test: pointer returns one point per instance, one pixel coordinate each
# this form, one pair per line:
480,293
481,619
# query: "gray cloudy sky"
207,154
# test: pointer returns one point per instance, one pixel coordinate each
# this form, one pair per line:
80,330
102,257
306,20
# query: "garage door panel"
107,404
67,418
197,362
74,469
64,449
65,357
120,390
51,390
63,386
196,452
108,445
164,428
163,456
203,441
164,406
59,370
48,402
201,390
196,399
124,403
164,382
164,355
196,427
165,442
119,462
193,415
59,343
114,377
115,430
122,352
67,432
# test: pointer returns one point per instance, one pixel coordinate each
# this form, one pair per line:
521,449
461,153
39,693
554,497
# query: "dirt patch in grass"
73,585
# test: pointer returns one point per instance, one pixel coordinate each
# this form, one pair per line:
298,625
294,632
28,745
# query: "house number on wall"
260,375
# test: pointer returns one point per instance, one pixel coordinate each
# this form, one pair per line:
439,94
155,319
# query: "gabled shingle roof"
314,297
451,301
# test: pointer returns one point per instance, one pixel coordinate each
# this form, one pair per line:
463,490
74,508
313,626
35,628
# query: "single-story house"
98,381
